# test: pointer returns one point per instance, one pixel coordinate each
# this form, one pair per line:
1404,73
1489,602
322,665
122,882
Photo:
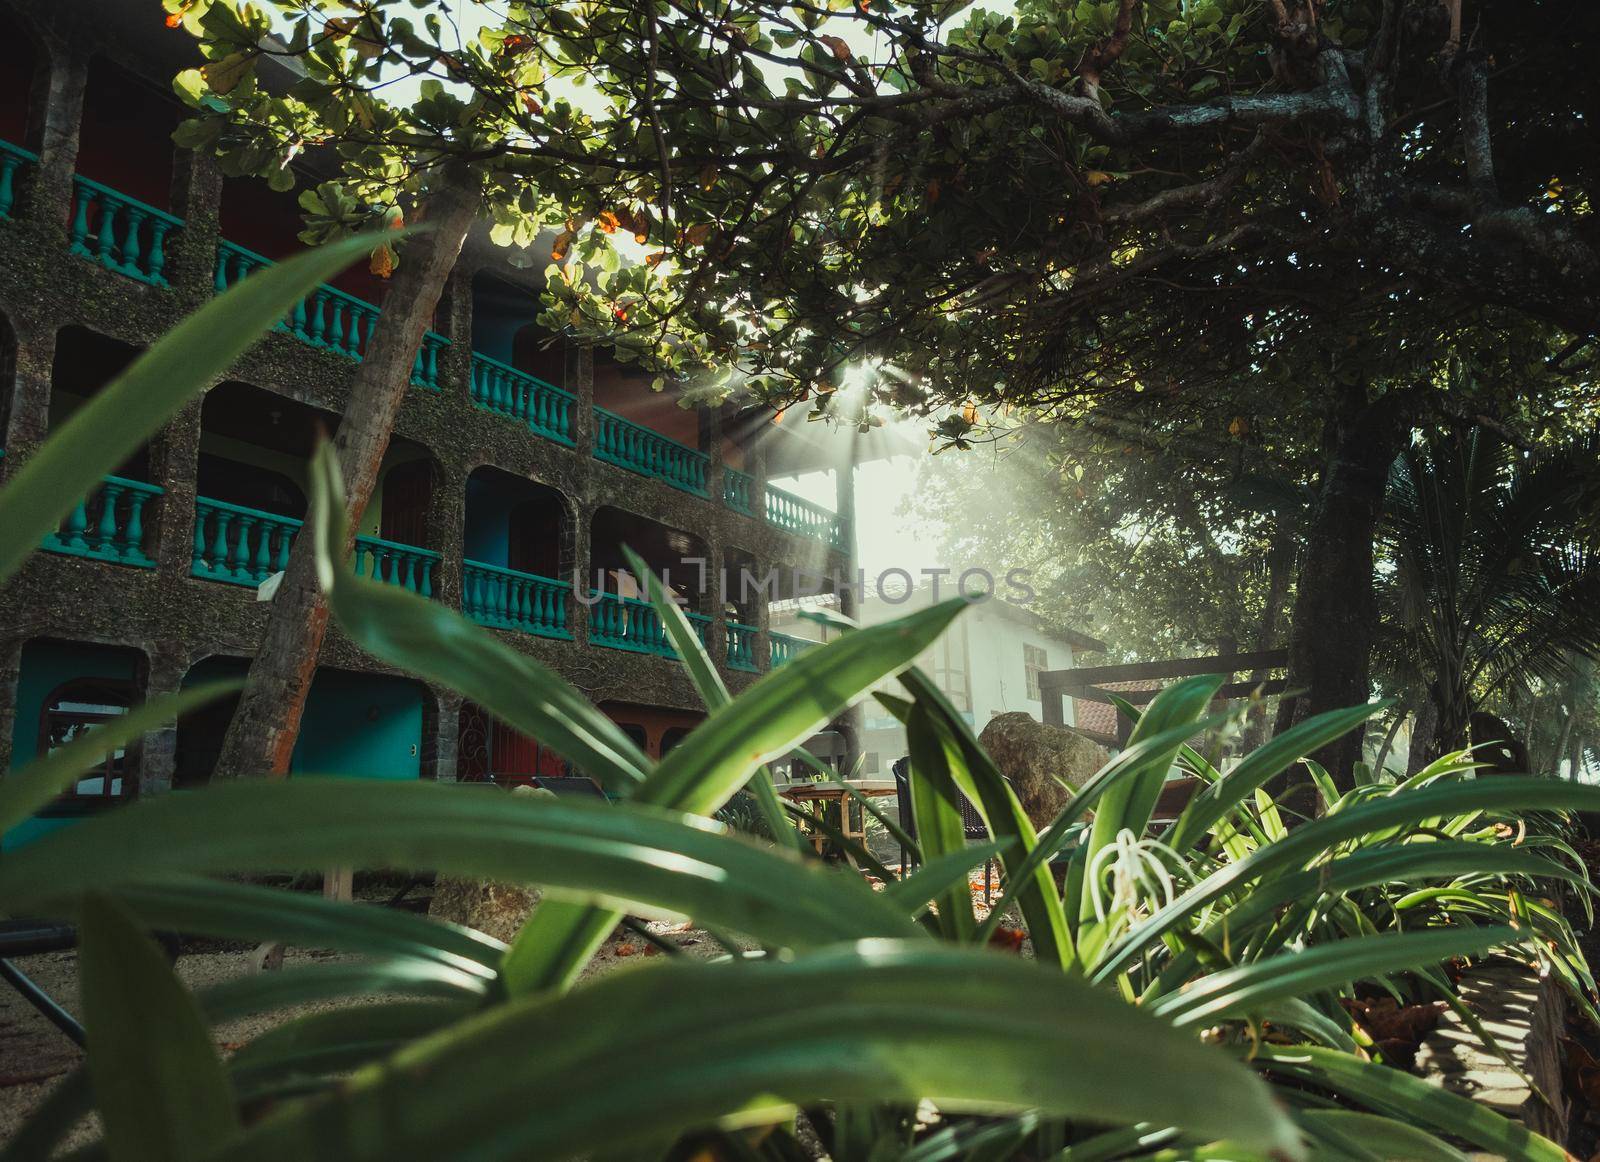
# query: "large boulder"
1035,756
496,909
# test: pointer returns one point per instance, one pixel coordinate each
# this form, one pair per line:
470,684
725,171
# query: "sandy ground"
34,1054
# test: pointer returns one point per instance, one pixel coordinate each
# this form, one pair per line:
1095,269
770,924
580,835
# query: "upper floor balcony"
632,428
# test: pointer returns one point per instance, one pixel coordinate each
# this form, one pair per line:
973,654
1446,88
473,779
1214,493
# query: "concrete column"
10,676
439,736
28,418
583,387
55,112
844,480
446,531
175,466
582,576
717,639
159,748
197,199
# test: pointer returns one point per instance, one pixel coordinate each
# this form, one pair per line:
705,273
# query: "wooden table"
852,819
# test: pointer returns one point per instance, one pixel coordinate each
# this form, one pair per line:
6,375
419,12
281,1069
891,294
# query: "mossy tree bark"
261,737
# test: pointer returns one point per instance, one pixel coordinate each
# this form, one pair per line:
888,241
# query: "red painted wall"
655,721
126,139
259,218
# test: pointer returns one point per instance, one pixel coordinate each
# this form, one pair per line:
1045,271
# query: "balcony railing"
407,566
509,599
108,524
738,491
544,407
794,515
121,233
12,159
626,623
742,647
785,647
627,445
239,545
328,318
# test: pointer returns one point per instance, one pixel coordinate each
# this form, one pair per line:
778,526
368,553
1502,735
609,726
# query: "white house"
987,663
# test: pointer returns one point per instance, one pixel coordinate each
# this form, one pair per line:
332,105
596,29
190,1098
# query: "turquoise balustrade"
12,159
239,545
742,647
509,599
738,491
544,407
785,647
121,233
626,623
407,566
702,629
792,514
425,370
328,318
627,445
108,524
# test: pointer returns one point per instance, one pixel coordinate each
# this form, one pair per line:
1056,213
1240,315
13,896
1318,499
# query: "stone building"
521,462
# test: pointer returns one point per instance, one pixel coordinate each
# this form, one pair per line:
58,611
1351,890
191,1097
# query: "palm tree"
1492,577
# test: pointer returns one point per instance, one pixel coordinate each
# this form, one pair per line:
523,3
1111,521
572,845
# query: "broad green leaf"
128,411
158,1084
333,1042
710,686
965,1029
264,992
1385,1138
1033,887
229,909
1388,1090
1401,806
1242,989
774,716
51,1120
1263,764
936,806
426,639
26,791
653,862
1130,763
1127,804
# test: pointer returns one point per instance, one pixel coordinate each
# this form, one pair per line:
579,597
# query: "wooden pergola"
1090,682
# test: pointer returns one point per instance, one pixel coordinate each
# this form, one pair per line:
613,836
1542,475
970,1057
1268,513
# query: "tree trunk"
261,737
1423,741
1335,609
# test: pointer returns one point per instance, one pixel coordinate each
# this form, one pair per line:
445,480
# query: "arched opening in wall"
253,486
116,522
682,558
125,141
489,751
503,329
625,389
18,59
355,725
85,362
654,729
518,545
201,731
267,223
65,689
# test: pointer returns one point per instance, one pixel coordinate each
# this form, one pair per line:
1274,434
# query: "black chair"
972,825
